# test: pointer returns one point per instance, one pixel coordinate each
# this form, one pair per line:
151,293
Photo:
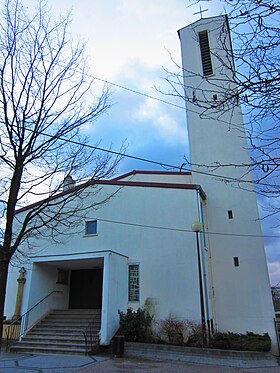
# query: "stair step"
70,327
73,317
47,350
77,312
50,344
51,338
56,334
69,321
62,331
58,331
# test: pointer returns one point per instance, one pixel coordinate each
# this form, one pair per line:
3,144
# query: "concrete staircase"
61,332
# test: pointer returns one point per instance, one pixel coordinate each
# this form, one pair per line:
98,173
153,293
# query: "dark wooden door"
86,288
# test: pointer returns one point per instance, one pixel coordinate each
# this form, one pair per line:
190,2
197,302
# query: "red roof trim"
149,184
115,182
140,172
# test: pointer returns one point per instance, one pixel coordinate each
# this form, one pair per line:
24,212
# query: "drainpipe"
202,236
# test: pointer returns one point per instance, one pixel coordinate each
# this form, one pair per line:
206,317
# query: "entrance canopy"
97,279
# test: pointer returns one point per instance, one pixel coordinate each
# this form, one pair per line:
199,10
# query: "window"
91,227
230,214
205,53
133,283
236,261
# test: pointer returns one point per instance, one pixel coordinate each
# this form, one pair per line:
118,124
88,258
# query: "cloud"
162,121
274,273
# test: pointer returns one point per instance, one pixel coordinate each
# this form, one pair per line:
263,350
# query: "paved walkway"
135,365
23,363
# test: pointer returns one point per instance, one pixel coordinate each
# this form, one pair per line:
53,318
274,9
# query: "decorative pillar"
21,281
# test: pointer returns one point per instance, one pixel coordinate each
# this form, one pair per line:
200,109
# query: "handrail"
90,337
18,326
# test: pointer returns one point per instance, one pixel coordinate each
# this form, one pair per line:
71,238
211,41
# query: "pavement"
26,363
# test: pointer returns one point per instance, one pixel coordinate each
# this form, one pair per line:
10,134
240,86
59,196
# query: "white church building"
139,249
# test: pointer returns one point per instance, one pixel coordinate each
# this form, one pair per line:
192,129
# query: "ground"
24,363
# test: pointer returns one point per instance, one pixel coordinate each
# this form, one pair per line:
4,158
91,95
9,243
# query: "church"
182,244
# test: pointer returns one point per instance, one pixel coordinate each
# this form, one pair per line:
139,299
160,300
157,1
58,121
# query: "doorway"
86,289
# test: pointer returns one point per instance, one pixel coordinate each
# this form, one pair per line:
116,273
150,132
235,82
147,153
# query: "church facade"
139,249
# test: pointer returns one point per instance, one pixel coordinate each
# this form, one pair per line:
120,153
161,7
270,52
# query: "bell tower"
239,288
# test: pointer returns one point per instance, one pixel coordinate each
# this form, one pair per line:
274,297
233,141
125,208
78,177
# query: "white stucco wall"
42,283
146,225
149,226
115,290
158,177
241,295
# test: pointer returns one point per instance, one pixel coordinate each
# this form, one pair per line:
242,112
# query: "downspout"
202,237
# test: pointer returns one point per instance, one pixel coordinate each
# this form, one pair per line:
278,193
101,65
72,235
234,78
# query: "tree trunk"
4,265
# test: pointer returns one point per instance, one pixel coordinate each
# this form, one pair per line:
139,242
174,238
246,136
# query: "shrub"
242,342
173,329
135,325
195,338
276,297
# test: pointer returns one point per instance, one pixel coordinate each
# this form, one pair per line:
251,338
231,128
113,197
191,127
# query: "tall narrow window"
133,283
236,261
230,214
207,67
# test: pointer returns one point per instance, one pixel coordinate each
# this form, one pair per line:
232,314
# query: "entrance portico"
92,280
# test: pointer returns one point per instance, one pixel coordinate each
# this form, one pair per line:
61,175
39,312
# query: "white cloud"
274,273
164,124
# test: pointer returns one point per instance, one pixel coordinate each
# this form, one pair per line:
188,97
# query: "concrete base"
241,359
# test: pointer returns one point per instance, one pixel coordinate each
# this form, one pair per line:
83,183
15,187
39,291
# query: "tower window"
236,261
230,214
207,67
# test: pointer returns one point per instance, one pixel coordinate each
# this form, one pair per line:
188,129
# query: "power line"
162,164
182,167
184,230
136,92
152,97
156,98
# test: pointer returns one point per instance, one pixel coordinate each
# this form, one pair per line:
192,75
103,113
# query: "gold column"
21,281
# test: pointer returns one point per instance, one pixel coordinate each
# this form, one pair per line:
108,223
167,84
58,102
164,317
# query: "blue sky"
129,42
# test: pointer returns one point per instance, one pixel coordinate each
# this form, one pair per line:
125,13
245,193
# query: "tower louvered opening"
205,53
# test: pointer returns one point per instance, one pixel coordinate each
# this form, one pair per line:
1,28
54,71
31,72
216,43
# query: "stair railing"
18,327
90,337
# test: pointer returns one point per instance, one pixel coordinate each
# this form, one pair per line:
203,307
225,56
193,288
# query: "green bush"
242,342
135,325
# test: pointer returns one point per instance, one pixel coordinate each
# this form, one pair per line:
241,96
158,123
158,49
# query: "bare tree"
253,81
276,298
46,97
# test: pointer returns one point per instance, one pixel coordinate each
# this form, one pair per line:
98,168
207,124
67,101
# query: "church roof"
162,179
